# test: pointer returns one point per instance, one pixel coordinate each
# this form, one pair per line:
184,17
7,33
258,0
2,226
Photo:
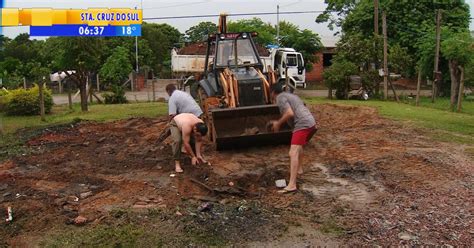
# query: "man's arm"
186,133
287,115
170,117
198,145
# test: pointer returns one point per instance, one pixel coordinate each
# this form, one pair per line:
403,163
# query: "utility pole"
376,17
136,53
278,24
41,99
376,42
434,90
385,55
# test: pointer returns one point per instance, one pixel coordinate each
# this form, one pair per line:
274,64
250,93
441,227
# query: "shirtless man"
297,115
187,129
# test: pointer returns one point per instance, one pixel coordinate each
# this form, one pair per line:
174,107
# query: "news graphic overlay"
75,22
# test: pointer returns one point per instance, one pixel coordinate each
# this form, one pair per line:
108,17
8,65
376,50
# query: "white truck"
282,60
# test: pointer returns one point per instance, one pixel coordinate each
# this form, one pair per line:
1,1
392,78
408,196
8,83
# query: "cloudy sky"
166,8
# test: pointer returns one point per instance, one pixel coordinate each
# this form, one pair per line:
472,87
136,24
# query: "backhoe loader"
235,95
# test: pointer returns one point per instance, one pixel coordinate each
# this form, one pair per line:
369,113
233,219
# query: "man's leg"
308,138
300,161
294,153
176,145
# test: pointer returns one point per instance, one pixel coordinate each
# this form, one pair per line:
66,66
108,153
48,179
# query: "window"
291,60
226,53
300,60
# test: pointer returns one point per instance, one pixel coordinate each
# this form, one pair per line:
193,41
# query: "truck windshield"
226,53
291,60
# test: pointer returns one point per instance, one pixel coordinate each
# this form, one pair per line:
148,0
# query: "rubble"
367,180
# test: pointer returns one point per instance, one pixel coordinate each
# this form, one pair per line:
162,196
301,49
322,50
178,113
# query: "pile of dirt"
367,181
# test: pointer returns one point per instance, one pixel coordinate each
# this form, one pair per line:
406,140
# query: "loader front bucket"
243,127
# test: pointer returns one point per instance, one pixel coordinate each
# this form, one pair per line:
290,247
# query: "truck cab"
287,60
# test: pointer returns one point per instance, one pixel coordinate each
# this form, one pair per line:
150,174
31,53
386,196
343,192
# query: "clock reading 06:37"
90,30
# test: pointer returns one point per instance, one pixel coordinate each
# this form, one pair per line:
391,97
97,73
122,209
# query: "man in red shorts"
297,115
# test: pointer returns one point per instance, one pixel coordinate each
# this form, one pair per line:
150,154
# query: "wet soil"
367,181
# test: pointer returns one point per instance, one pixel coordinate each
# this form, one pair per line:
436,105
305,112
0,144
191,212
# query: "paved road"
140,96
147,95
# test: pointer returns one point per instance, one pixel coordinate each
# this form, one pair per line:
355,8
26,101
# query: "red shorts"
301,137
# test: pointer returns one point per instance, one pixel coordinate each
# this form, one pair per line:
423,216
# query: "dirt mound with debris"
367,181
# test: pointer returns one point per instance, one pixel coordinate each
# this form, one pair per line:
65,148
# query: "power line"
176,5
236,14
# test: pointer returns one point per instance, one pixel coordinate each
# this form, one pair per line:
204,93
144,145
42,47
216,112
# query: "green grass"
12,140
127,235
98,112
440,124
442,104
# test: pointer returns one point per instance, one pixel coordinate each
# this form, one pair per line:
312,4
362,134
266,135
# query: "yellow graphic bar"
91,17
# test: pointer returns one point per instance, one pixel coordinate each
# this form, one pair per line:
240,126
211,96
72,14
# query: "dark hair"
202,128
277,88
170,88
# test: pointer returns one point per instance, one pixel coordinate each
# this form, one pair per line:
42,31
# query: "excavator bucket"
243,127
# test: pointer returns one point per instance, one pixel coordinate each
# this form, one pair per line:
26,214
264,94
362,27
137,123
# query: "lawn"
440,124
97,112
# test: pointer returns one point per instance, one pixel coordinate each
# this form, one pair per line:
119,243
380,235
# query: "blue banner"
85,30
2,4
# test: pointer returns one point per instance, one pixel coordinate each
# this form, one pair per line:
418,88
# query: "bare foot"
287,190
177,167
300,171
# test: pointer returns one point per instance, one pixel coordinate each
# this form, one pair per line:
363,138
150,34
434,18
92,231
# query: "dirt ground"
367,181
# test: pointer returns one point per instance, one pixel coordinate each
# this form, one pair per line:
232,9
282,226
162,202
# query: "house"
324,59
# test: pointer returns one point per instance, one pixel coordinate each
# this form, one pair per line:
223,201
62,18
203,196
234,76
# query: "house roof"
330,41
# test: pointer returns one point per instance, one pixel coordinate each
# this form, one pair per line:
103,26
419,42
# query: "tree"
304,41
117,66
400,61
458,48
161,39
25,53
84,55
410,25
338,76
266,32
199,32
145,54
362,51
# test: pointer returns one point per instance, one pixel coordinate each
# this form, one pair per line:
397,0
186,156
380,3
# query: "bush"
116,97
26,102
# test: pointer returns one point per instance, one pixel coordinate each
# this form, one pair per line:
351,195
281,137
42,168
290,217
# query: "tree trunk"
461,89
69,95
330,93
41,100
418,86
455,77
83,91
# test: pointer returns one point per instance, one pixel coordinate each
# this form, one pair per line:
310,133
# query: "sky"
162,8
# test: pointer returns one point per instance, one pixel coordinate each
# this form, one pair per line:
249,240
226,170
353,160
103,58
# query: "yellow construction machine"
234,93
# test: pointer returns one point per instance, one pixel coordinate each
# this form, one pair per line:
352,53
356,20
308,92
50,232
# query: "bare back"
186,122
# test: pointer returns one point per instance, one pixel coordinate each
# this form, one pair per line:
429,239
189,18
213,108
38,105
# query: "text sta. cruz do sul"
110,17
